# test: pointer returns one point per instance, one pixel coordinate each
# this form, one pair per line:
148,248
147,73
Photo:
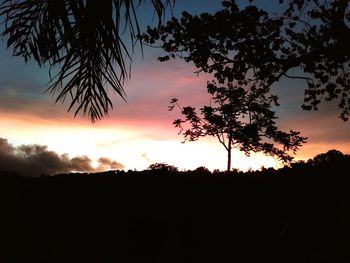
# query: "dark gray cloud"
35,160
25,97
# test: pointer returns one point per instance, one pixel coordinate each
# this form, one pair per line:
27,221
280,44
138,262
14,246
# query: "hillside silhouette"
295,214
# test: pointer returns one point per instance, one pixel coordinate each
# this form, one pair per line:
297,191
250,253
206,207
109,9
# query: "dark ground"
291,215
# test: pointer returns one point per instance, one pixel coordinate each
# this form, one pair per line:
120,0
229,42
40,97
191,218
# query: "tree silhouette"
84,39
162,167
332,156
239,118
260,47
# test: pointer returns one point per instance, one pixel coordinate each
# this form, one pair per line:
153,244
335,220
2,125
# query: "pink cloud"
153,86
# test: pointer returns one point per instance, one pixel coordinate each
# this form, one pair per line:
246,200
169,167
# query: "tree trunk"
229,160
229,148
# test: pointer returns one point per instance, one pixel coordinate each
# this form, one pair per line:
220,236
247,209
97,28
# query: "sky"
38,136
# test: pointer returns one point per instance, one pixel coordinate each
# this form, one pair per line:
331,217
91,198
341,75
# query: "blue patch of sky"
17,74
16,68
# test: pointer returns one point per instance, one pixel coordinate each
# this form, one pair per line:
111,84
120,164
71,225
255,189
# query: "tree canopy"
254,47
332,156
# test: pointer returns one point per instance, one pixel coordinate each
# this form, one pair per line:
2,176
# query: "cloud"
108,164
152,87
34,160
23,98
148,94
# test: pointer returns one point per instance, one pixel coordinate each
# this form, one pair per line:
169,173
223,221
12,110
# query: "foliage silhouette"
239,118
84,39
332,156
201,170
255,47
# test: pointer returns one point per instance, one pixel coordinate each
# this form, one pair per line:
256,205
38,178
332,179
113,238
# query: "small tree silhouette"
240,119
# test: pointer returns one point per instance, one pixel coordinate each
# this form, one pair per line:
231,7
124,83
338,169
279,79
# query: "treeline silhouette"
295,214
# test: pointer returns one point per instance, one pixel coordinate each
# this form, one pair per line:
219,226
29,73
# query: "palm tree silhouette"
84,38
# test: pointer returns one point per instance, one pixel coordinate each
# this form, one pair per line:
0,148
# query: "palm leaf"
83,39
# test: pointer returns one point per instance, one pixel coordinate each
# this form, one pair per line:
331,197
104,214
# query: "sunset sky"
139,132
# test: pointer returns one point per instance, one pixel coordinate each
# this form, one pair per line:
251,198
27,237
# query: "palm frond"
84,39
